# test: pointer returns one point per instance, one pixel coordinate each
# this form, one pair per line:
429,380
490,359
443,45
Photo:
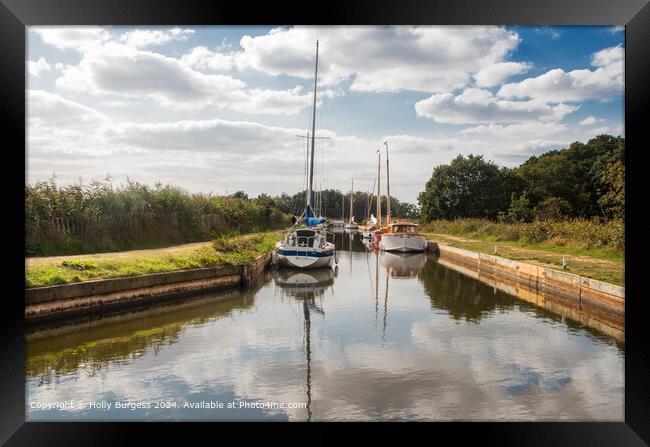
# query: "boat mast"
351,199
313,134
387,185
374,182
379,190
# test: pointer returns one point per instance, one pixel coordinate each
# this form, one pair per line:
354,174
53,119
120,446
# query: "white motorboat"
402,237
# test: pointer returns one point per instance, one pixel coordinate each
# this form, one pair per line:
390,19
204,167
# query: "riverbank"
226,251
596,264
594,303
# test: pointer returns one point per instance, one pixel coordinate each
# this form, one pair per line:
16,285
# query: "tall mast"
379,190
351,198
313,133
387,185
374,182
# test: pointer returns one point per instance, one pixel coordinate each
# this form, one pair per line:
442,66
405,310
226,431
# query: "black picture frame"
15,15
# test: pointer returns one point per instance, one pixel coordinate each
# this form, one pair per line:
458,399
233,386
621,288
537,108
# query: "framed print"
377,212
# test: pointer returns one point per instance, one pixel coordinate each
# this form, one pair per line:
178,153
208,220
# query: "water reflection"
94,345
306,286
401,265
464,300
383,337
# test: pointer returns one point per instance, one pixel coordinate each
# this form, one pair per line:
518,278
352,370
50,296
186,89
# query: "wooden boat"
402,236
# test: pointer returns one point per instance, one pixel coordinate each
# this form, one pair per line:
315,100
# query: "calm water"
384,337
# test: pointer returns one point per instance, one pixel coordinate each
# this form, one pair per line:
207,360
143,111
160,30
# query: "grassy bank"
236,250
591,249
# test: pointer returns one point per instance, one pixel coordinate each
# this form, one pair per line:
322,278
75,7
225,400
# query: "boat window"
404,229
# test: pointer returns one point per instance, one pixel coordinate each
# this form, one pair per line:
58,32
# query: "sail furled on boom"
310,219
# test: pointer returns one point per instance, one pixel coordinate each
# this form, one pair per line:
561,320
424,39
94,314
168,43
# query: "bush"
553,208
99,217
520,209
583,233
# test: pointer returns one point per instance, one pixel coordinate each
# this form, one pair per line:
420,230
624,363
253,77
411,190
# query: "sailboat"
373,225
401,236
351,225
307,247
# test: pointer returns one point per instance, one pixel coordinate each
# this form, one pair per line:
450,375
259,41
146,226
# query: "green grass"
235,250
600,264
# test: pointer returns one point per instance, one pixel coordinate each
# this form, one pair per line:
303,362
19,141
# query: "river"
381,337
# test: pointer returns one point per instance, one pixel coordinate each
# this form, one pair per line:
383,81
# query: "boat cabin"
403,228
307,238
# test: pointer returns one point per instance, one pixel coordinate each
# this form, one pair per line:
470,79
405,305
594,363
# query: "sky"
219,109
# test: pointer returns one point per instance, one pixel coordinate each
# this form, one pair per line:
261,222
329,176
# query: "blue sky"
216,109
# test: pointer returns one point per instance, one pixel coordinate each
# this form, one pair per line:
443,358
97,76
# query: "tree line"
585,180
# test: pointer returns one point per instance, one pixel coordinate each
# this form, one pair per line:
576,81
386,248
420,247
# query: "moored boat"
402,236
307,248
351,224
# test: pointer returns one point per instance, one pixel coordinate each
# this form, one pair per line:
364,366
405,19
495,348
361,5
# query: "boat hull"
305,260
403,243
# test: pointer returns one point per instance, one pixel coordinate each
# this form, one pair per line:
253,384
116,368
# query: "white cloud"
216,136
49,110
476,106
140,38
616,29
605,82
35,68
80,38
429,58
554,34
495,74
116,69
591,120
201,58
519,131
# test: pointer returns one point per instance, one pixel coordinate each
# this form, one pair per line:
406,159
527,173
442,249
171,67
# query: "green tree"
520,209
467,187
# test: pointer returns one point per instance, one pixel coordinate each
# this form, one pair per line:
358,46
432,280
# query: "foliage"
584,180
553,208
99,216
580,233
520,209
467,187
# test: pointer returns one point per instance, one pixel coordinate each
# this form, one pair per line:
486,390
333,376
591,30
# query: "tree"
553,208
239,195
407,210
467,187
613,200
520,209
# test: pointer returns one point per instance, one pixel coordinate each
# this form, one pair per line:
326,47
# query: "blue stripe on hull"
309,254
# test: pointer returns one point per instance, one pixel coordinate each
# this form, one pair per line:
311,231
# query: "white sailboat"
307,247
351,224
